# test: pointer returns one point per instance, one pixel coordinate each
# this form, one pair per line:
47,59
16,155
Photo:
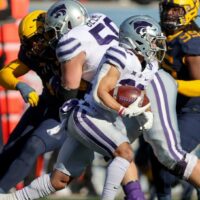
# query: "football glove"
133,109
28,93
145,120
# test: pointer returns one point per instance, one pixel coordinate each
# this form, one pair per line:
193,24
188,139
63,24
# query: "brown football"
126,94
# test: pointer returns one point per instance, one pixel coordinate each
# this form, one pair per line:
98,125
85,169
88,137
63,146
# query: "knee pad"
184,167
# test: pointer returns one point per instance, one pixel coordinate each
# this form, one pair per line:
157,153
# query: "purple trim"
88,134
168,115
115,60
62,53
67,41
117,51
162,120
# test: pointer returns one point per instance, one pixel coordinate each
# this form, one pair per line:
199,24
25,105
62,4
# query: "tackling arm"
9,79
9,74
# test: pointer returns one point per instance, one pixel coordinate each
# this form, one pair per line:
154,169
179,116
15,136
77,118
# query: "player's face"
38,44
172,14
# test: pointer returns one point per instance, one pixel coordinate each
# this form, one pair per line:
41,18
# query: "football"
126,94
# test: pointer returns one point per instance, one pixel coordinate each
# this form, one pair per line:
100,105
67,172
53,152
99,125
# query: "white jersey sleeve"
116,56
67,48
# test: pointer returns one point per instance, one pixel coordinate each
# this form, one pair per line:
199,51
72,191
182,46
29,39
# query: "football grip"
134,109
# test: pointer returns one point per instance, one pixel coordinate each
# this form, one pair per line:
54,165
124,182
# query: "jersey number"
108,38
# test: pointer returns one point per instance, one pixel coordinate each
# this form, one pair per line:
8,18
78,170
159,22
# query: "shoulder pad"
190,42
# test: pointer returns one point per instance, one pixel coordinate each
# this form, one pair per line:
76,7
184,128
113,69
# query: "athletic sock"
40,187
133,191
114,175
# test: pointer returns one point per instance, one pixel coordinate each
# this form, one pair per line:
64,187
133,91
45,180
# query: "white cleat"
8,197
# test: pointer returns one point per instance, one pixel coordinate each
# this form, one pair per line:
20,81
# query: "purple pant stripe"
98,131
168,116
162,120
88,134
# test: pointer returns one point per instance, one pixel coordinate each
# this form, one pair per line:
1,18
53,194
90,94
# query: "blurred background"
12,106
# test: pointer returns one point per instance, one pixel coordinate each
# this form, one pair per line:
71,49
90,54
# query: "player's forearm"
189,88
9,74
7,79
108,100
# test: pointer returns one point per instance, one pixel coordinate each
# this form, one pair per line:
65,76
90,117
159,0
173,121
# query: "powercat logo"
59,11
141,26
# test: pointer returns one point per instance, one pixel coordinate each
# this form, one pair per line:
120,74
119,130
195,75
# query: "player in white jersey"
78,53
164,136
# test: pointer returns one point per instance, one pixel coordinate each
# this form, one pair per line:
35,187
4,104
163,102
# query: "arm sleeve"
67,48
9,74
116,57
189,88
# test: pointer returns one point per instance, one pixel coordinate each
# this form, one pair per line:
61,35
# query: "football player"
182,60
30,138
163,136
80,51
99,33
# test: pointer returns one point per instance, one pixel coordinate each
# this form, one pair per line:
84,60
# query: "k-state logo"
141,26
58,11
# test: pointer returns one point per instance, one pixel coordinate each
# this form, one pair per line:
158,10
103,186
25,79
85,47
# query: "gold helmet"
31,32
175,14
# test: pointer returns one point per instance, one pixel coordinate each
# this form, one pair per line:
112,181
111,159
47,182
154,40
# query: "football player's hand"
145,120
28,93
133,109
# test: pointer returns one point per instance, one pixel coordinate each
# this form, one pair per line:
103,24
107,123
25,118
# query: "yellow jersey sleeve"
9,74
189,88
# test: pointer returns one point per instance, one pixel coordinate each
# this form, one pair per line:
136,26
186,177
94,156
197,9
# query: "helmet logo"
59,11
140,26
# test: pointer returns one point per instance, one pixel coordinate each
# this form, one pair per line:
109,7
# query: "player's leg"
188,120
72,160
163,180
38,143
18,138
131,185
164,137
107,137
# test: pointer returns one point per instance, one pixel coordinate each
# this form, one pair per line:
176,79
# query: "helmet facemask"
62,17
147,42
31,32
157,47
172,17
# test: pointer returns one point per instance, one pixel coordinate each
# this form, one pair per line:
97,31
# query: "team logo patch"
60,10
140,26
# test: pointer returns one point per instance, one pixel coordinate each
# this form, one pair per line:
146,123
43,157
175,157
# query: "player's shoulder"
116,51
120,56
189,41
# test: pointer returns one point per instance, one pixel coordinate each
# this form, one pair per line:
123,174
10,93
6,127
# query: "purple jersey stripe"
162,120
168,115
88,134
62,53
118,51
67,41
127,82
116,60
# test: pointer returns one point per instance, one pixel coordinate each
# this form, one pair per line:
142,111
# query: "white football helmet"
62,16
143,35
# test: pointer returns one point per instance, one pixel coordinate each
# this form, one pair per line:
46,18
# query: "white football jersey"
94,39
130,68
